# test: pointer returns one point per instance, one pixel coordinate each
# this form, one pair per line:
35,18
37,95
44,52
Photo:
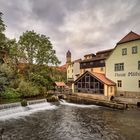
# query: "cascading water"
63,102
36,101
15,110
11,105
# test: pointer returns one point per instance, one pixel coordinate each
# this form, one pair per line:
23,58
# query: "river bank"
82,98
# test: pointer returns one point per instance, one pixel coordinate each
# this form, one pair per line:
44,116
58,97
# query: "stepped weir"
14,110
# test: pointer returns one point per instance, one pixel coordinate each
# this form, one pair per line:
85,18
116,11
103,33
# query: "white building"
123,66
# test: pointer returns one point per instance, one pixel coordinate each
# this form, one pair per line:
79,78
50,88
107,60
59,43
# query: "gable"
131,36
98,76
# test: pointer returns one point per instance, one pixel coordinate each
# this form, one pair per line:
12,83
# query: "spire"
68,57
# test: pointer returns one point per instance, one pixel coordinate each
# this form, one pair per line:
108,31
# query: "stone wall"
128,94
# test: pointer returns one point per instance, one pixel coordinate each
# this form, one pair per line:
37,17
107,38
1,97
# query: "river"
67,121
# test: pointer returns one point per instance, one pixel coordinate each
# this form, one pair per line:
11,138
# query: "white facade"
123,67
73,71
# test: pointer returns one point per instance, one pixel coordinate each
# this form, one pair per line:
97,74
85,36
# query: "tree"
2,29
14,52
38,48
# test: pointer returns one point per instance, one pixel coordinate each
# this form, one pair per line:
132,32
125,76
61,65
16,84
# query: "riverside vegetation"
28,67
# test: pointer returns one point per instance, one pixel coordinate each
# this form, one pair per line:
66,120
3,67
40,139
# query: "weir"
36,101
15,110
11,105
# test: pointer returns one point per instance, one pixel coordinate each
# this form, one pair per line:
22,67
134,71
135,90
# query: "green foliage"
14,52
2,25
40,76
2,29
34,49
23,103
4,68
14,83
27,89
10,93
38,48
58,75
6,75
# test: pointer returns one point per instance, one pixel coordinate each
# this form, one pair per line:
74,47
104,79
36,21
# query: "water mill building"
111,72
123,66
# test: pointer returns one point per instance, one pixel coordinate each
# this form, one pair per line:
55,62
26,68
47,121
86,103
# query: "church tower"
68,57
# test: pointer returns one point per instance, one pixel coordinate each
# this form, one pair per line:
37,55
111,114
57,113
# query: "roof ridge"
131,36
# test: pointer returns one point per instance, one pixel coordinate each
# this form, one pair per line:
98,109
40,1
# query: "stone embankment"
97,99
84,98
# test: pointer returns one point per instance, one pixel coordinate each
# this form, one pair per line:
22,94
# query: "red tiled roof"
131,36
62,68
100,77
60,84
104,79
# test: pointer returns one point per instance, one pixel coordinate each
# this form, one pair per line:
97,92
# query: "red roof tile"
100,77
104,79
62,68
60,84
131,36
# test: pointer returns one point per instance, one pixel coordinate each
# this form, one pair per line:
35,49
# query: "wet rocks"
53,98
24,103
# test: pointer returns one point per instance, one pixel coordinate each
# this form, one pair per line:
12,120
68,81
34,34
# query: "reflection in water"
69,122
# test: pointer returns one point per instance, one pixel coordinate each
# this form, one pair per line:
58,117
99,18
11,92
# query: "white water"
63,102
17,112
36,101
5,106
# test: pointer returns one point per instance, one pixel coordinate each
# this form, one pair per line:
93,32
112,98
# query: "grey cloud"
82,26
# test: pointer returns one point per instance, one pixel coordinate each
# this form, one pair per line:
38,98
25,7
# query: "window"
102,61
91,63
119,67
139,83
138,65
134,49
87,78
79,84
119,82
124,51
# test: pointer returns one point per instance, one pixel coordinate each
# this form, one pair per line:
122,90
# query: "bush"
26,89
4,68
23,103
15,83
10,93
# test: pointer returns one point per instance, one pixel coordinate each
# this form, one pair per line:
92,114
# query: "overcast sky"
81,26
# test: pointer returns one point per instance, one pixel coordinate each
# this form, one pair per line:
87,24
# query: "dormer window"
124,51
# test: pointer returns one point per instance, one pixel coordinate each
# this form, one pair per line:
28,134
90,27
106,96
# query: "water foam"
63,102
17,112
